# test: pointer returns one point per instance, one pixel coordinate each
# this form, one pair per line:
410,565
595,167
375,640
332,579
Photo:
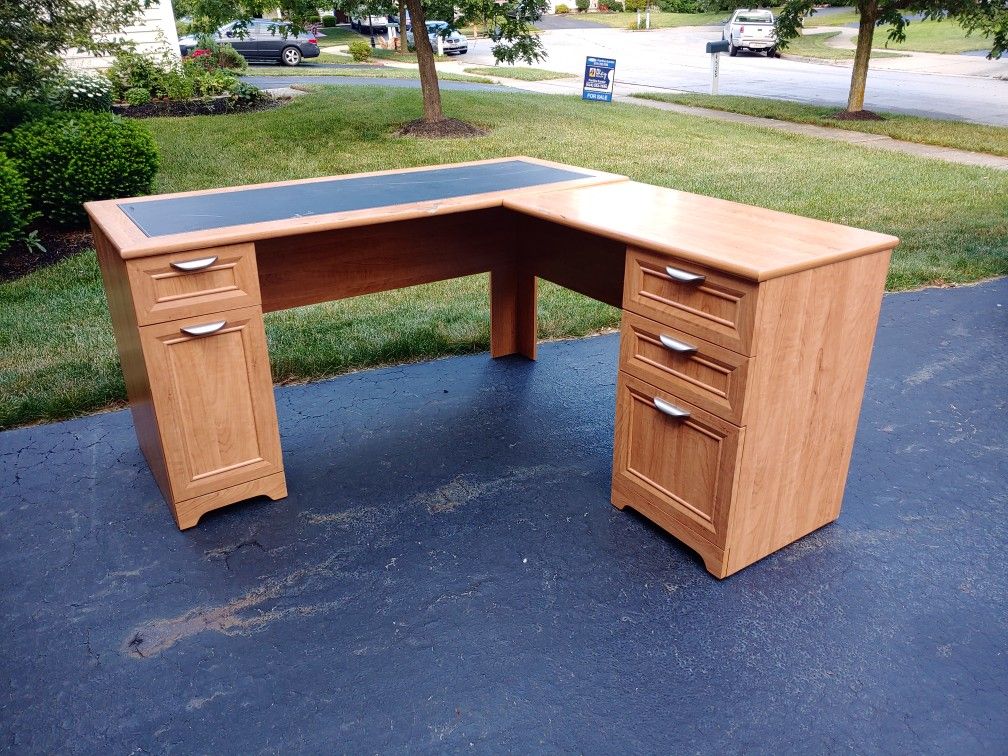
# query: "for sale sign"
600,75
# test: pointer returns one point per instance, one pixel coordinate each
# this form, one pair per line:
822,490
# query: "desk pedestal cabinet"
740,373
736,404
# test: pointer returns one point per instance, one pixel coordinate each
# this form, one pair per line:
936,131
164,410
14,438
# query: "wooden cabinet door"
680,459
213,395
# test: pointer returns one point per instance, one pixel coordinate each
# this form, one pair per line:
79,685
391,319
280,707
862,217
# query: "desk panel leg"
512,312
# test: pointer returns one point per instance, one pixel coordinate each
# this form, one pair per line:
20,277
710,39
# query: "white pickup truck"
751,30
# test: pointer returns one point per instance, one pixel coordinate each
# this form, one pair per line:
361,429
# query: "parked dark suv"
261,40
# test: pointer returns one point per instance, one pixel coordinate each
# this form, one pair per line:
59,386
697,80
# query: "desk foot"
187,513
513,296
714,558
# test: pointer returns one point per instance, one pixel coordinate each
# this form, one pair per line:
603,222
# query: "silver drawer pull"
683,276
203,330
670,409
190,265
679,347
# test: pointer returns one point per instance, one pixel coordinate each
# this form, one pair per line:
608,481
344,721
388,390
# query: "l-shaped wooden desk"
744,349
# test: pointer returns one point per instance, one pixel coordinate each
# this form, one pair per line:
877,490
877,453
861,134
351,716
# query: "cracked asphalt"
447,574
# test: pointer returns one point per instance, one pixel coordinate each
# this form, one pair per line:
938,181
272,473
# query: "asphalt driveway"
447,575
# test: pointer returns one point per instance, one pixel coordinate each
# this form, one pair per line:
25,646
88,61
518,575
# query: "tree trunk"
859,76
425,59
402,26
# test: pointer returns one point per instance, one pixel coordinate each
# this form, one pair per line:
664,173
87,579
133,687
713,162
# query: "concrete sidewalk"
448,575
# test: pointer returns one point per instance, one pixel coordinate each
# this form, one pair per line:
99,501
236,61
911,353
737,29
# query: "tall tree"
986,17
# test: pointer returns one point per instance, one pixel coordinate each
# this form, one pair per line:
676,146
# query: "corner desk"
744,348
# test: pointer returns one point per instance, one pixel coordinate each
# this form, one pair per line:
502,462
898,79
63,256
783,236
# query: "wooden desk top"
750,242
145,226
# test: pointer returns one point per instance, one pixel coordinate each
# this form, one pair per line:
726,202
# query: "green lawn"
814,46
957,134
339,35
402,57
367,73
520,72
921,36
57,356
659,19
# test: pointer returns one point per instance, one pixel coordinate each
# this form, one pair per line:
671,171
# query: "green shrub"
246,94
209,83
361,50
78,90
227,57
562,9
328,22
582,5
17,110
680,6
178,86
71,158
15,207
615,6
216,57
137,96
636,5
132,70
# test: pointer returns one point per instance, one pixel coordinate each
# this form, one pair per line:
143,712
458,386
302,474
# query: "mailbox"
717,47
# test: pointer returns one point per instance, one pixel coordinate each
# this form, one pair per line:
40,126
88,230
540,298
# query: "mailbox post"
714,49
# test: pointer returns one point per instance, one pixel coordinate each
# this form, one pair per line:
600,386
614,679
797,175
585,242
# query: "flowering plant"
78,90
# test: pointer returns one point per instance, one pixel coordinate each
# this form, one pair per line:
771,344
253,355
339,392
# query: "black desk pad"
176,215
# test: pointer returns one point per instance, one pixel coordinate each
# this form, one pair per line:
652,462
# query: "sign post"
715,49
599,79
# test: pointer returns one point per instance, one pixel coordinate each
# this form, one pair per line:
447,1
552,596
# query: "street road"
674,59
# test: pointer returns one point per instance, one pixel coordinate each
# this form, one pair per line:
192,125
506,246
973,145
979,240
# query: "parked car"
454,41
261,40
365,23
751,30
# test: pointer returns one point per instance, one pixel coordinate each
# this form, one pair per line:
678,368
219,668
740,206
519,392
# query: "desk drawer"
698,300
211,384
187,284
709,376
676,457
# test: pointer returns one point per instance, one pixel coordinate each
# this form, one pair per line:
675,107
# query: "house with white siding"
154,33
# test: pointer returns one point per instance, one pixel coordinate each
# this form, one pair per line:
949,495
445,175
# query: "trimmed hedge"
72,158
15,207
360,50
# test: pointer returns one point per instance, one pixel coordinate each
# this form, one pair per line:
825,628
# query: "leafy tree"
988,17
34,34
508,22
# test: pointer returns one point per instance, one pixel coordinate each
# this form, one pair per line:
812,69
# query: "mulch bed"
446,128
856,115
20,259
208,106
